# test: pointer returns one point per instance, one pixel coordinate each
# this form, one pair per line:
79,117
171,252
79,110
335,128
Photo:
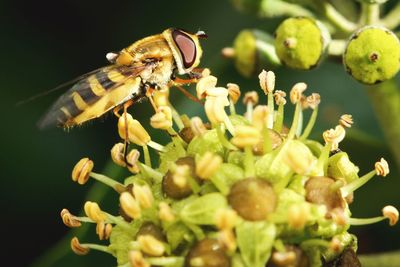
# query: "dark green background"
45,43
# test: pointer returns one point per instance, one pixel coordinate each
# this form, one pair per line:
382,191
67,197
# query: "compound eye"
186,47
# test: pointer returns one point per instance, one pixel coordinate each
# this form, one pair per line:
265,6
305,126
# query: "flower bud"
301,42
252,51
372,55
165,214
136,133
82,170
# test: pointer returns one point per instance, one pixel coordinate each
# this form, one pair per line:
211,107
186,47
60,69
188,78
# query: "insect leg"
188,95
126,142
149,94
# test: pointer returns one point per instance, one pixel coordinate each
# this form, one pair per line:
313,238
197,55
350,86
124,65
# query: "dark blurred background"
45,43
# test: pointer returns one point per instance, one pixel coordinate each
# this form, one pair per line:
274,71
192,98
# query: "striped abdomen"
94,95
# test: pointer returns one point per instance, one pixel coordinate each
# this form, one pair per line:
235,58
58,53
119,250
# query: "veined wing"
95,94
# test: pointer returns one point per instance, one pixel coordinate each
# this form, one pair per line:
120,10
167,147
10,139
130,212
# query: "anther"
69,219
94,212
208,164
82,170
129,205
77,248
267,81
151,245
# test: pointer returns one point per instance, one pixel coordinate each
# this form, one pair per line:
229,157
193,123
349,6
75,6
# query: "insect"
148,64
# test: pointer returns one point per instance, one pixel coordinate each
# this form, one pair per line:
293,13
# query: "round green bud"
372,55
301,42
253,51
248,6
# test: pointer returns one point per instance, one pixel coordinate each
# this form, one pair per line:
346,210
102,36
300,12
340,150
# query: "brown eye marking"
186,46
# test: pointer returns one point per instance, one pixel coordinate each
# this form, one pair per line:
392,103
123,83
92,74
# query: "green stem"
337,47
177,119
392,19
222,137
278,8
249,162
370,13
310,125
232,108
270,120
295,122
353,186
365,221
96,247
107,181
279,118
153,174
335,17
147,159
385,100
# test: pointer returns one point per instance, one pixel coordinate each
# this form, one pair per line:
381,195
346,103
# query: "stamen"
180,175
227,239
222,138
297,92
392,214
298,216
281,102
81,171
260,116
136,259
130,206
143,195
208,165
150,245
94,212
284,258
310,124
83,249
197,126
165,214
234,95
346,120
204,84
136,132
103,230
69,219
381,169
162,119
250,100
226,219
117,154
267,81
133,159
334,136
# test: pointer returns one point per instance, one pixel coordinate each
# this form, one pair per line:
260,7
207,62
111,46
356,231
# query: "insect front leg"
125,106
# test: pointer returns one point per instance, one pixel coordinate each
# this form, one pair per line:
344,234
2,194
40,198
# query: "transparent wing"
94,94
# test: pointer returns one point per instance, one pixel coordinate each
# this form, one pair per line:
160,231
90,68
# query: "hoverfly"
148,64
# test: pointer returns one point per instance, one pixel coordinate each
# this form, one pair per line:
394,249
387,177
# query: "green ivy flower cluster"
239,190
370,50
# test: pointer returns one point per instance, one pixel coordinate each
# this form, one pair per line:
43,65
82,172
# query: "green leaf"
255,240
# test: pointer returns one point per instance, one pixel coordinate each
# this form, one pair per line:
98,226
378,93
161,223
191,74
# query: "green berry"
373,1
372,55
301,42
252,198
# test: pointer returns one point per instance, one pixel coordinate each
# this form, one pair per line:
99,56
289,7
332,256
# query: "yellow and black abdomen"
94,95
